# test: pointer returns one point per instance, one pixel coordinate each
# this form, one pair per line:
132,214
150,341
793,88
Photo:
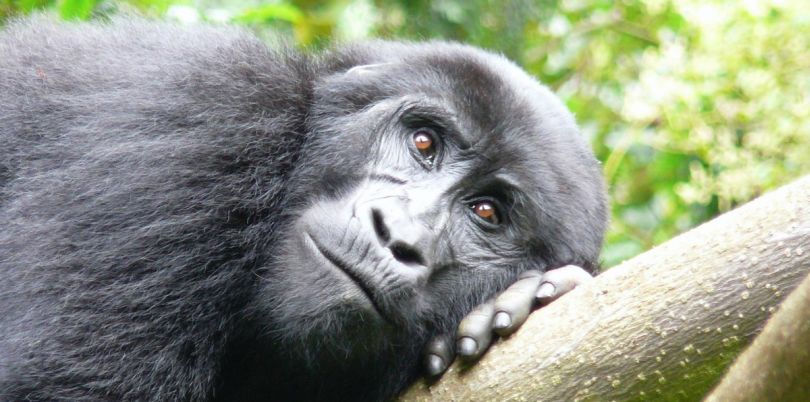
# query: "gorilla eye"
424,140
487,211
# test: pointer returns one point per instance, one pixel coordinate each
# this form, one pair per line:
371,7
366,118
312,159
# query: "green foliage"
693,106
271,12
75,9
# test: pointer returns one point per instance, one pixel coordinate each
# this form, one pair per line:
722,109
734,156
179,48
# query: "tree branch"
661,326
776,367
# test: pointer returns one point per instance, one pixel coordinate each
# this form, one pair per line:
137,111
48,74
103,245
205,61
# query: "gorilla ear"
369,69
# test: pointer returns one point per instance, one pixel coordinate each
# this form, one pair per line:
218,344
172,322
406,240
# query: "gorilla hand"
502,315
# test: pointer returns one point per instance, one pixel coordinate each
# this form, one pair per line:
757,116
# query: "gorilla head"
186,214
436,173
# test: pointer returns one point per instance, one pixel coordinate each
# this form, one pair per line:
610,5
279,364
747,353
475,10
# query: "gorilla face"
431,182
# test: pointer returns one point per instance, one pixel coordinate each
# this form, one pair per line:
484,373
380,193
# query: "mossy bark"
662,326
776,367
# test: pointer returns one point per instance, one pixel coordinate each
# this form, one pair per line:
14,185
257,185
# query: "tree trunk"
776,367
662,326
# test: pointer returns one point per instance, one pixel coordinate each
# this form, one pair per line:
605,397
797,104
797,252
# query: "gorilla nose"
405,238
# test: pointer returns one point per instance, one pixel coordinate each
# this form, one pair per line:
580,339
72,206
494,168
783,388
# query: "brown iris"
486,211
424,143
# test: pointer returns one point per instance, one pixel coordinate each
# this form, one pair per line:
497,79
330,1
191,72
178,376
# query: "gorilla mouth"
344,267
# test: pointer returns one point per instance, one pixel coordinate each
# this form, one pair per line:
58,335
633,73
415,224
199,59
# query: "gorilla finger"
438,355
530,274
513,306
475,331
560,281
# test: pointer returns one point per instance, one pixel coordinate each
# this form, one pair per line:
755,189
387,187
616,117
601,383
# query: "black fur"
154,182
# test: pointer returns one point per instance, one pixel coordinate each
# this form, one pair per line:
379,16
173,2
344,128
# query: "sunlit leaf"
271,12
75,9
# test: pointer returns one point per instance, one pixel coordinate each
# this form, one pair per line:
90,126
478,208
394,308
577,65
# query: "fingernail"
467,346
502,320
546,290
435,365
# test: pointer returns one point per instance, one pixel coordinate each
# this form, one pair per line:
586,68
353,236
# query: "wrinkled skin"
188,215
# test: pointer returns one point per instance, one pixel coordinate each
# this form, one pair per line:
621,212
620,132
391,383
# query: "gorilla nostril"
379,225
406,254
402,251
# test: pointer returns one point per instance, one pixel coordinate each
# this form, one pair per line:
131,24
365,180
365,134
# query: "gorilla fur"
151,177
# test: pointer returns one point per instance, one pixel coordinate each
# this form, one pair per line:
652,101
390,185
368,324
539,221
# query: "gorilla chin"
351,311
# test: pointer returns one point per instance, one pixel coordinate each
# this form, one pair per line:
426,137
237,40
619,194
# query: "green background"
693,106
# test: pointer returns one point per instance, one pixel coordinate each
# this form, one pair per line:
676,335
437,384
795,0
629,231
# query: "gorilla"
187,213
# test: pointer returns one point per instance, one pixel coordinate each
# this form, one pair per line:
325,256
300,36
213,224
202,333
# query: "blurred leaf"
27,6
271,12
617,251
75,9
